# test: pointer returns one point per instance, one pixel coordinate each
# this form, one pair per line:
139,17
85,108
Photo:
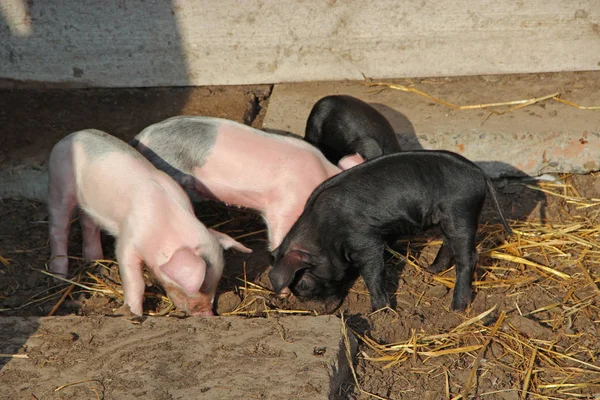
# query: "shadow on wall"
515,203
86,32
35,36
518,203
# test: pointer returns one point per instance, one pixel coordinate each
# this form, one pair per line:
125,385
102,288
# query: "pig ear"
283,274
271,257
228,242
186,270
350,161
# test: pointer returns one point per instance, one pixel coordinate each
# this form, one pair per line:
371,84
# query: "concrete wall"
132,43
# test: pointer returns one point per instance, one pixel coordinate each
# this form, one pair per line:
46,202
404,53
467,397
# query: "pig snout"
196,305
350,161
306,286
182,277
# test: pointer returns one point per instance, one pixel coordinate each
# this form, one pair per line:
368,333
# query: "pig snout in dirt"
238,165
147,212
350,217
341,125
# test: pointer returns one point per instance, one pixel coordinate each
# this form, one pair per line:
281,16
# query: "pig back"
234,163
178,144
414,181
109,175
259,170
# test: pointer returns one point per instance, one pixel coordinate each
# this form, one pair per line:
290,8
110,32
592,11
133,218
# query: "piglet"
239,165
342,126
349,218
149,214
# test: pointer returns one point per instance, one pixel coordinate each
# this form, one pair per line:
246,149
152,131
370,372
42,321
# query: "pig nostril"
303,286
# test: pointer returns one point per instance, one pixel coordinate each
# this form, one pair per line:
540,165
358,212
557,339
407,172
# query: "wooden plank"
219,42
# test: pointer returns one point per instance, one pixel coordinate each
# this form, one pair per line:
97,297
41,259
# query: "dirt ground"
172,358
542,333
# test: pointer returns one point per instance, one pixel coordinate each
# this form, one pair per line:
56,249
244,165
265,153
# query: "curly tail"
495,198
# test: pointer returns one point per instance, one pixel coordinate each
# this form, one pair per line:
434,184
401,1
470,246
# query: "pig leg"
132,278
461,238
61,204
466,260
444,258
368,257
92,246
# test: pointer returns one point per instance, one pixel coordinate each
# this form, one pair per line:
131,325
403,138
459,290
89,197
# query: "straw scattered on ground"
557,362
556,357
497,108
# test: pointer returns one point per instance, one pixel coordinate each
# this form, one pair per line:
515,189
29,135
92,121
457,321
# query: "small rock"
437,291
529,327
491,78
227,302
35,279
513,395
431,395
13,301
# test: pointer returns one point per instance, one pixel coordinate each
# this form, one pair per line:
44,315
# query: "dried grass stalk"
516,104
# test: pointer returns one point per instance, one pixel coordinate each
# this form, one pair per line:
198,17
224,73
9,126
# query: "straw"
560,258
516,104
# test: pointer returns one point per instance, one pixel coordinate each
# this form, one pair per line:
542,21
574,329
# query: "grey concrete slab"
542,138
169,358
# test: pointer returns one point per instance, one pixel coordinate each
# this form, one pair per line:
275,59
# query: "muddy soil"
33,120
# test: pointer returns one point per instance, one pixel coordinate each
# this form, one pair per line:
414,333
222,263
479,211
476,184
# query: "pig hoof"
58,279
461,299
137,319
59,272
126,312
204,314
385,309
458,305
437,268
